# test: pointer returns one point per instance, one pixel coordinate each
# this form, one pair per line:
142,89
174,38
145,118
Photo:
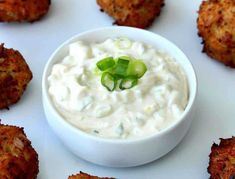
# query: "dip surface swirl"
157,101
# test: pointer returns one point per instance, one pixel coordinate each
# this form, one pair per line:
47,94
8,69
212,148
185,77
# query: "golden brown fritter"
17,156
216,26
23,10
222,159
12,167
135,13
14,76
86,176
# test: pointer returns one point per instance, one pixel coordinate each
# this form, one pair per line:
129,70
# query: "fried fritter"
14,76
18,159
216,26
23,10
135,13
222,159
82,175
12,167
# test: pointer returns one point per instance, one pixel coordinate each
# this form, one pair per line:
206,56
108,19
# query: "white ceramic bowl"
120,152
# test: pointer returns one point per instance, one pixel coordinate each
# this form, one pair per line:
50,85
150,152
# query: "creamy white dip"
156,102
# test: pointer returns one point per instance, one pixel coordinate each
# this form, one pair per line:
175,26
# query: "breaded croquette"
216,26
18,159
23,10
12,167
14,76
222,159
83,175
135,13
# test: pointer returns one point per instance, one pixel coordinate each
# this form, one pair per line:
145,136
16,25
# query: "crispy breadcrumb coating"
23,10
18,159
222,160
216,26
12,167
83,175
135,13
14,76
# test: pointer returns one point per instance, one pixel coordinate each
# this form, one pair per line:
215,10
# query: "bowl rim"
45,95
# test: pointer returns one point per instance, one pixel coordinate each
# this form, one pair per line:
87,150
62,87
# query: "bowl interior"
144,36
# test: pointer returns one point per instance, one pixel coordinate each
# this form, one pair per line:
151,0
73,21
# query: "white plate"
216,96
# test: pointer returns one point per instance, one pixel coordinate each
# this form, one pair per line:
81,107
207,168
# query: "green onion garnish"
105,63
125,58
121,67
128,82
108,81
124,70
136,68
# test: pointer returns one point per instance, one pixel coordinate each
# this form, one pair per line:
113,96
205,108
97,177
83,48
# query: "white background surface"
216,97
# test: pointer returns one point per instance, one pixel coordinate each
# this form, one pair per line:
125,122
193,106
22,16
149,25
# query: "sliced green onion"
121,67
108,81
128,82
125,58
123,43
136,68
123,71
105,63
